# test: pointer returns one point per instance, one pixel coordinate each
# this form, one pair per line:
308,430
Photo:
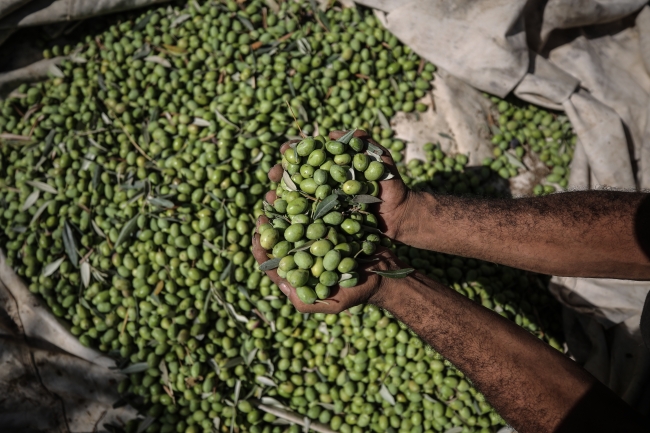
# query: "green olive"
316,231
351,226
297,277
297,206
351,187
347,264
306,294
269,238
294,232
303,259
351,282
375,170
320,248
332,260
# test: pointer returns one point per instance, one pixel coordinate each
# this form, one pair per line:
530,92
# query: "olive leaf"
42,186
97,229
386,395
85,273
159,60
365,198
145,423
374,156
40,211
161,202
326,205
346,276
138,367
303,247
345,139
31,199
291,186
226,272
126,231
180,20
396,273
233,362
70,244
387,176
512,159
265,380
273,5
140,53
321,17
258,158
51,268
374,149
456,429
442,134
246,22
382,119
201,122
269,264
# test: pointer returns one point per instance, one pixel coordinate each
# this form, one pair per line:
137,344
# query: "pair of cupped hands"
391,213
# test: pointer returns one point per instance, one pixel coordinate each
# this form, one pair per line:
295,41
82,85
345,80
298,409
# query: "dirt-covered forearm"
583,233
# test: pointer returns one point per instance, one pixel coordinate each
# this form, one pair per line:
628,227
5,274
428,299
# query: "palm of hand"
390,212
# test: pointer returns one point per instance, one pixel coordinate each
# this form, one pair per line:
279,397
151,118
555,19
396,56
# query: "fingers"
270,197
261,220
260,255
286,145
275,174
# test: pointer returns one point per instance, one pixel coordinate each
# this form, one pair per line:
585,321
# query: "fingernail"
284,288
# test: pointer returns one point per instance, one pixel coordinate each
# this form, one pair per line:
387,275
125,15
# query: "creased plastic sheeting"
40,12
594,64
49,381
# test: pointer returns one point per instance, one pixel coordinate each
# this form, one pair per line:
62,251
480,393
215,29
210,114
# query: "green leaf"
70,245
365,198
303,247
161,202
31,199
40,211
269,264
345,139
42,186
382,119
126,231
52,267
375,149
396,273
226,272
326,205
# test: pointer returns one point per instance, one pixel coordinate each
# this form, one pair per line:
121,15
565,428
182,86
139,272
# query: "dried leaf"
386,395
31,199
126,231
54,71
40,211
291,186
138,367
159,60
85,273
326,205
42,186
396,273
365,198
174,49
273,5
269,264
52,267
345,139
442,134
70,244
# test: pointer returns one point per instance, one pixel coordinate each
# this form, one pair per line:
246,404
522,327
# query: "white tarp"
590,58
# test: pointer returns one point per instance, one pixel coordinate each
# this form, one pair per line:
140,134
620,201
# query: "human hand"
392,212
370,288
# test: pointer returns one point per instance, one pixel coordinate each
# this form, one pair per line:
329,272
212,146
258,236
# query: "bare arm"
534,387
583,233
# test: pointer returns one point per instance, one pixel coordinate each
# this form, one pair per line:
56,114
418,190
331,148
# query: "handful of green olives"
320,223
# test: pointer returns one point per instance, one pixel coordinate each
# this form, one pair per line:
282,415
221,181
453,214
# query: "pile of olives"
131,182
316,239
